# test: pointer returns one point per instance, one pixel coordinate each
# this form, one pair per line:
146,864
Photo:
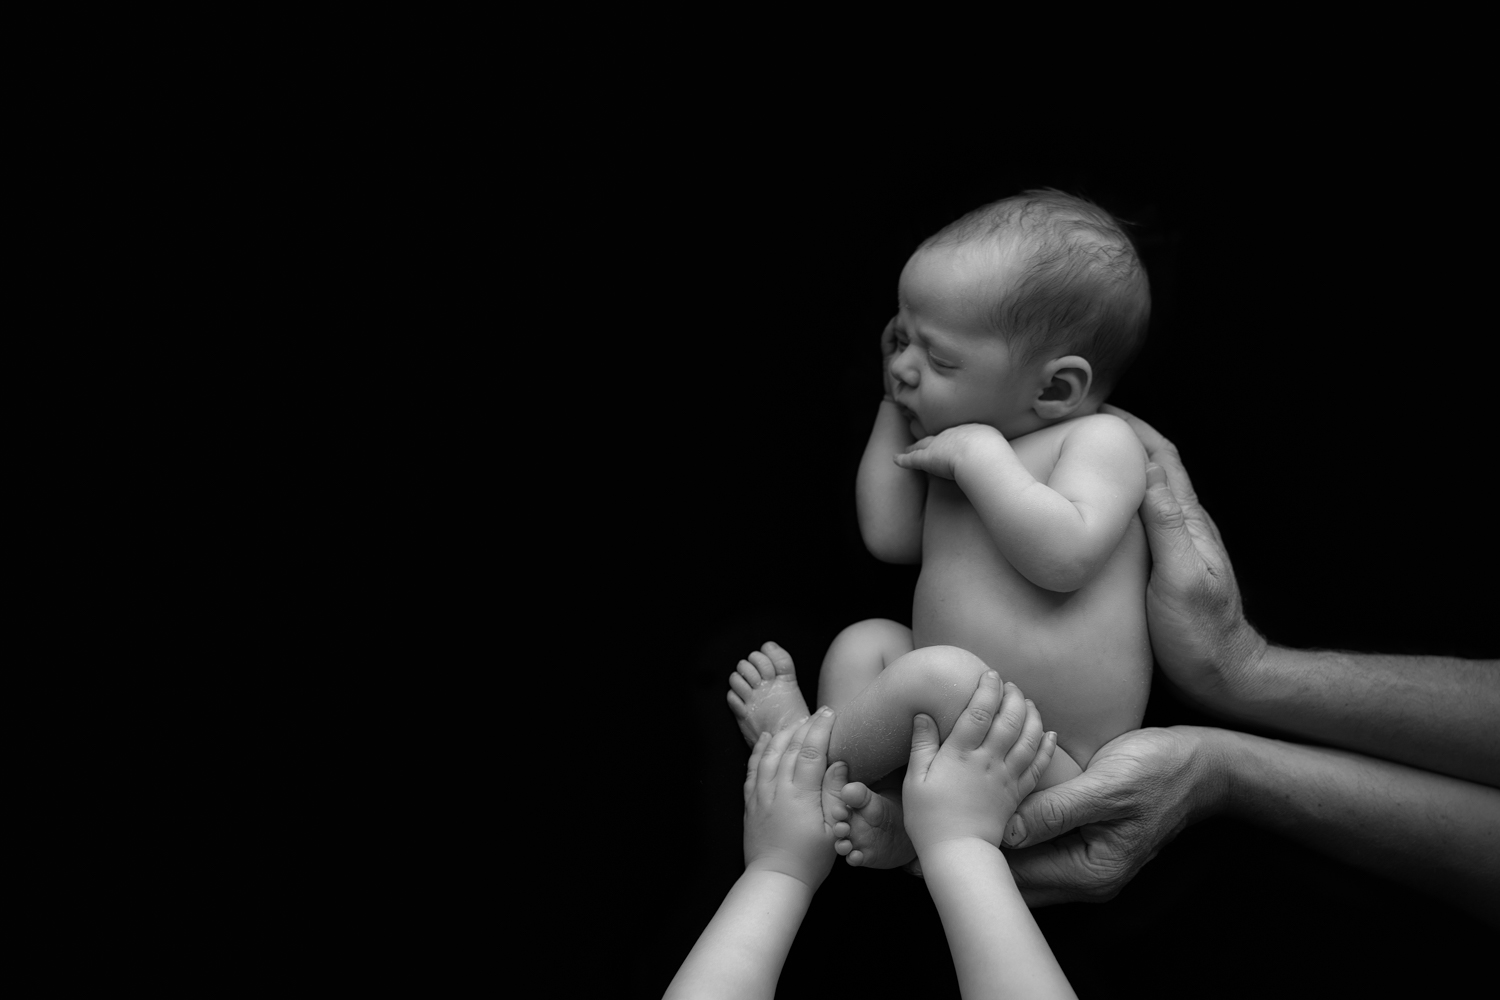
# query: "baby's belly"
1084,658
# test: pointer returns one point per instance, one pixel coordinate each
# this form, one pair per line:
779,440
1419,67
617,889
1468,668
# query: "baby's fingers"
771,758
793,751
812,760
754,763
974,724
1039,764
1023,751
1010,717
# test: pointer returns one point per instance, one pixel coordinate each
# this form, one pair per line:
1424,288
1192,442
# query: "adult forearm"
1429,831
998,950
741,951
1437,713
888,499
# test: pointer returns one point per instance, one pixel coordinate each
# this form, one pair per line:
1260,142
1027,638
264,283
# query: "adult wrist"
1210,771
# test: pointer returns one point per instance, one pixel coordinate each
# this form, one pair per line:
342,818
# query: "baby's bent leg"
872,733
857,656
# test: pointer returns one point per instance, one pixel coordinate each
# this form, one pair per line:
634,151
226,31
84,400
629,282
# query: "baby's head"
1020,314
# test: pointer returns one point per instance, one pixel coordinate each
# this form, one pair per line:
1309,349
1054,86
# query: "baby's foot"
763,693
874,835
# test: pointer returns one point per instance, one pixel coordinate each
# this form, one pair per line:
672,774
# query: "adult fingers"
1060,872
1167,528
924,745
1165,454
973,724
1054,811
812,762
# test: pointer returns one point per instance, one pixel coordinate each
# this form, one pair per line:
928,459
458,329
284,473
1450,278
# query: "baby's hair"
1081,287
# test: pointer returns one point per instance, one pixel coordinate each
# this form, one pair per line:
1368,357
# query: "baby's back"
1083,657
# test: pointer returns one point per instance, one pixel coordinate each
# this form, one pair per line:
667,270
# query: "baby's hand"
990,762
784,792
942,454
889,347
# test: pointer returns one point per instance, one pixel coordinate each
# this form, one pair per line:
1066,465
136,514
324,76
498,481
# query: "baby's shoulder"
1103,448
1101,430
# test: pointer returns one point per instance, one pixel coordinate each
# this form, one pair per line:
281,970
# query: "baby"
990,464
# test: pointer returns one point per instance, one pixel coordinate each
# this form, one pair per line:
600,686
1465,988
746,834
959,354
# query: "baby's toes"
781,660
739,686
751,675
856,795
763,664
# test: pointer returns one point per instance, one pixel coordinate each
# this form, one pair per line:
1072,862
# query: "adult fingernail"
1016,831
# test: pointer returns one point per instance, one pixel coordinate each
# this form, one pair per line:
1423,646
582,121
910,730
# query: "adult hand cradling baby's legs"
1084,839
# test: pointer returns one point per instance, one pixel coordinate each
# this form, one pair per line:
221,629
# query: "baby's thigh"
857,656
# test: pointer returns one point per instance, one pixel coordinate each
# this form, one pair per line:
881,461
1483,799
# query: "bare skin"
871,736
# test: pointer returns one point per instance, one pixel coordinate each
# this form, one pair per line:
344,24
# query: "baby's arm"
958,799
788,853
1058,534
888,498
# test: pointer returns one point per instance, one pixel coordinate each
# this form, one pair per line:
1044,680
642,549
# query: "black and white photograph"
1053,568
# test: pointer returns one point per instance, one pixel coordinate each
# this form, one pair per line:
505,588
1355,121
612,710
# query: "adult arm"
1086,838
1432,712
1057,533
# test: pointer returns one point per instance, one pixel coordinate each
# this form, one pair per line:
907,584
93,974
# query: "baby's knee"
941,679
872,638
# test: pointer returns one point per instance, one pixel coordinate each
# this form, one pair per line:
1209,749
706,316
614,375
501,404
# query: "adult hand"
941,454
1140,790
1193,608
787,796
969,786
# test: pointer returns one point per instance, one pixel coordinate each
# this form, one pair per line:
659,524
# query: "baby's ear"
1065,384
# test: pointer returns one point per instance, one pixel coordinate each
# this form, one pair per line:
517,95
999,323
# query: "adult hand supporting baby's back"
1199,634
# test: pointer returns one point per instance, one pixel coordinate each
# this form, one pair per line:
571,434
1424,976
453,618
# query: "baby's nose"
904,370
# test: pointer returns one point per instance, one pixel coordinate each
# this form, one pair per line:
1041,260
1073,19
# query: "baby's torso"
1083,657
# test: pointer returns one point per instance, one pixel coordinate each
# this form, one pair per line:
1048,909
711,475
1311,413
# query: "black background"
1321,351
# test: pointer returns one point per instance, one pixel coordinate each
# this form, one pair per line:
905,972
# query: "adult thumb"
924,744
1051,813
